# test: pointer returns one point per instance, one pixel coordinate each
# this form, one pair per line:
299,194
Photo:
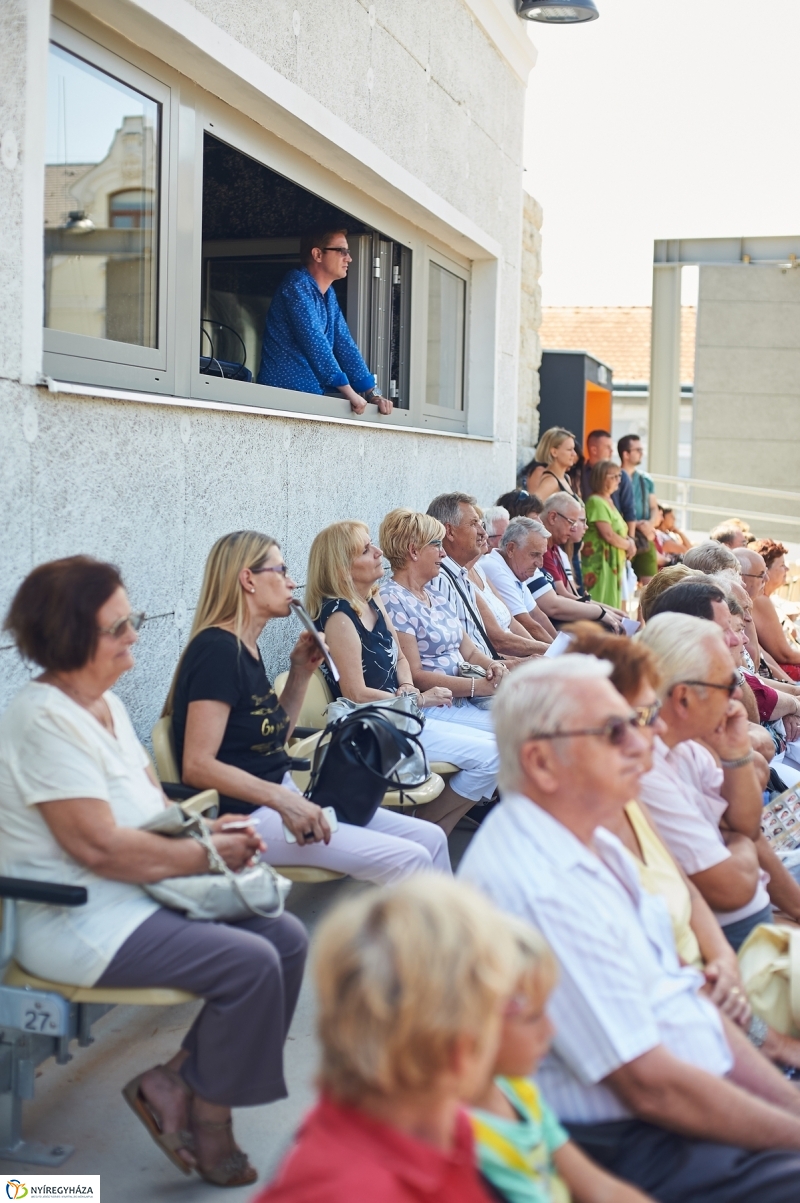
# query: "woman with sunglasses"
230,729
699,939
75,787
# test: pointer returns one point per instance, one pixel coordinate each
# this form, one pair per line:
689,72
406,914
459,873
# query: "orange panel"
597,411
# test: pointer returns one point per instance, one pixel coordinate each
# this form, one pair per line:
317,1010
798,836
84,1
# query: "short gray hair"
445,507
537,699
559,503
710,557
684,646
492,514
518,530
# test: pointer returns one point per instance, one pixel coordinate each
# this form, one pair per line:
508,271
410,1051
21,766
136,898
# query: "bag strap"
201,832
468,605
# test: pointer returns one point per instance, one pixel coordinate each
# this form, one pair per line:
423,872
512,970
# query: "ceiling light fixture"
556,13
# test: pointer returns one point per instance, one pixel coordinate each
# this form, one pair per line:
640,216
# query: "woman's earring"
252,588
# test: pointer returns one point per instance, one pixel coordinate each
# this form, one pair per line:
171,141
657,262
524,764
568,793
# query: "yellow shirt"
660,875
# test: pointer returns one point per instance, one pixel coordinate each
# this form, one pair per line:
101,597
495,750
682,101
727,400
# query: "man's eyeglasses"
281,568
756,576
730,688
614,731
340,250
133,620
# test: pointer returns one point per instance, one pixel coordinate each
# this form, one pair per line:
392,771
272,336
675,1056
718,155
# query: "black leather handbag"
359,757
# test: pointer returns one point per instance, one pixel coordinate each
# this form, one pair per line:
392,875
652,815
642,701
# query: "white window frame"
173,368
103,361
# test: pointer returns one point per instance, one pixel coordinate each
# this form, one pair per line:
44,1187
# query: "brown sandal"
233,1170
170,1142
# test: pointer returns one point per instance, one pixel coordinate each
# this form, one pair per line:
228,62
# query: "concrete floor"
81,1104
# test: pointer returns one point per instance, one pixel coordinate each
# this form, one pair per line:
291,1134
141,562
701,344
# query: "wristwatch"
373,393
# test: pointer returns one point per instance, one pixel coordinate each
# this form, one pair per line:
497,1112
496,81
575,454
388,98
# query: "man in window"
307,344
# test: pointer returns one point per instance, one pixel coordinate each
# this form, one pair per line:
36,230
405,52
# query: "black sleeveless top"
378,647
562,488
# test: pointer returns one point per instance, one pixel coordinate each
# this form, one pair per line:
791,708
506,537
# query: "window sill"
114,394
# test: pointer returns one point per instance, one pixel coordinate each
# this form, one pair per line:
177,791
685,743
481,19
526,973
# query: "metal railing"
686,503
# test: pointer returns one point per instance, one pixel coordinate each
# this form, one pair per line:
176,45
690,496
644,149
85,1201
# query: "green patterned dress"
603,566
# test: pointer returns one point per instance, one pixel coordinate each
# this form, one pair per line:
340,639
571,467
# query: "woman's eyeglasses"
646,716
133,620
434,543
281,568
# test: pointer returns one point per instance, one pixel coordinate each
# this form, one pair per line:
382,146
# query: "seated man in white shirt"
516,561
645,1073
464,540
704,773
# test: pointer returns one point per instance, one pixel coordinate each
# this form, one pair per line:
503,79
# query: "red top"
766,697
341,1155
554,565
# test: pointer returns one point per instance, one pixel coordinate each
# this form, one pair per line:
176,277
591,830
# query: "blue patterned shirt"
307,344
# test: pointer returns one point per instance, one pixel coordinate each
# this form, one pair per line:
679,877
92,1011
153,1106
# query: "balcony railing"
712,499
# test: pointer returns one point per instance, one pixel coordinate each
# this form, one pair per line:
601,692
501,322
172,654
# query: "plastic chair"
39,1017
167,768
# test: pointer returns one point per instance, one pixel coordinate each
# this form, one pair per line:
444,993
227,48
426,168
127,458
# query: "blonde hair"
221,599
538,967
329,566
550,441
663,580
400,528
400,972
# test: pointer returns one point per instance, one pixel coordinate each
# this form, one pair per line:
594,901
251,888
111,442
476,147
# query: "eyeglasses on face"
614,731
730,688
756,576
434,543
646,716
281,568
133,620
340,250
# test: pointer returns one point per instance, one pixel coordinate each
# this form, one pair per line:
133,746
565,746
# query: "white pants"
473,750
466,715
390,848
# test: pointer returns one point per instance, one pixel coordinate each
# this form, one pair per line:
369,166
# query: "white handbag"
220,894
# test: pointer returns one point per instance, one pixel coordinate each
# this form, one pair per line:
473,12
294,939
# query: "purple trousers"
249,973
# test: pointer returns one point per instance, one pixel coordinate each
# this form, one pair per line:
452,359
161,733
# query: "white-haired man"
689,790
710,556
562,517
645,1073
515,570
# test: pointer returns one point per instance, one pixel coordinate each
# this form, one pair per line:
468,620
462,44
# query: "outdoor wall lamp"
553,13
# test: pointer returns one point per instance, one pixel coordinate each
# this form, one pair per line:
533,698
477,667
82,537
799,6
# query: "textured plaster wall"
150,487
747,378
530,345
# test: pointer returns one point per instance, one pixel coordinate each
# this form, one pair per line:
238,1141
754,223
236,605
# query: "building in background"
620,337
158,165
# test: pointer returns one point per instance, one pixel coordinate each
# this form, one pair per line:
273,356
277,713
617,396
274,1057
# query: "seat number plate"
34,1011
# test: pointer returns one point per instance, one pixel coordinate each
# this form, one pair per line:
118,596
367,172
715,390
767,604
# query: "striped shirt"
622,990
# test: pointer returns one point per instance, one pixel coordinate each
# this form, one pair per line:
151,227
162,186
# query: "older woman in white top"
75,786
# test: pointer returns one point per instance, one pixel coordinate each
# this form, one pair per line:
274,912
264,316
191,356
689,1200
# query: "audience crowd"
569,1019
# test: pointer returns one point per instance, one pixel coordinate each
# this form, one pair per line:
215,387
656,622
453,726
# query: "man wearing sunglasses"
307,344
647,1076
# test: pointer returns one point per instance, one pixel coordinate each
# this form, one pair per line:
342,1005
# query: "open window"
104,296
253,219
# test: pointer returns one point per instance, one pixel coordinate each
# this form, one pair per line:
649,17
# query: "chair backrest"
318,696
164,750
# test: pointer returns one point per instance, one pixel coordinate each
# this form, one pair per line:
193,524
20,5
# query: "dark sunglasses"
133,620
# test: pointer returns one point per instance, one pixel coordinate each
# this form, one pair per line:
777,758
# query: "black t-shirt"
378,648
217,668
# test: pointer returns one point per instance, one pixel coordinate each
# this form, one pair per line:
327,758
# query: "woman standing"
555,456
606,544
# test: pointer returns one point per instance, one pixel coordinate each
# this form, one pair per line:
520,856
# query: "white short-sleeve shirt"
682,792
50,749
622,989
515,593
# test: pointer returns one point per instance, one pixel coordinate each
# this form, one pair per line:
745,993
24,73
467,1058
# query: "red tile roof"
618,335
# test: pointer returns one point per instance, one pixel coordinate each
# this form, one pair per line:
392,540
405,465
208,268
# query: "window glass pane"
101,204
446,303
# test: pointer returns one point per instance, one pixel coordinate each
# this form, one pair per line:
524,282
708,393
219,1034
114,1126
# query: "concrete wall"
530,345
151,486
747,383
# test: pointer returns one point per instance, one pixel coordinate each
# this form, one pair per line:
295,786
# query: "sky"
662,119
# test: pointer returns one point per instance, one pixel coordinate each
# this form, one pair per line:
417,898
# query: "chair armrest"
177,792
43,891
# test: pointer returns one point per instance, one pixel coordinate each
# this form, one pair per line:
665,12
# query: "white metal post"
665,375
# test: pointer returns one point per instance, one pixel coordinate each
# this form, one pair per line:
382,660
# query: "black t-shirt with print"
217,668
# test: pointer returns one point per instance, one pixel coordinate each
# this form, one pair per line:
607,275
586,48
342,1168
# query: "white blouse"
50,749
495,604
